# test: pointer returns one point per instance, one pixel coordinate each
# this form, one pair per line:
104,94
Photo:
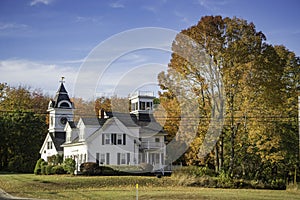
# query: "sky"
43,40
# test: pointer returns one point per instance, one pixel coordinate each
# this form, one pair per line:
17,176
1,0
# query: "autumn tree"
261,84
22,127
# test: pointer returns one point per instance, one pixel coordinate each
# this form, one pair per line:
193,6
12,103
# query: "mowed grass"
124,187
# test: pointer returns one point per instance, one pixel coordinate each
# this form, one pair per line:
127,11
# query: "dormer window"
64,104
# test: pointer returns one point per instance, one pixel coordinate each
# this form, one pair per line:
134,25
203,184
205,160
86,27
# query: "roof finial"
62,79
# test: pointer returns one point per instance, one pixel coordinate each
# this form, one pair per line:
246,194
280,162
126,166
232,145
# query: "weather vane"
62,79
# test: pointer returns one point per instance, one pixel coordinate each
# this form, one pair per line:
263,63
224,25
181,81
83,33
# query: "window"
142,105
102,158
133,107
157,140
149,106
49,145
119,139
123,158
107,138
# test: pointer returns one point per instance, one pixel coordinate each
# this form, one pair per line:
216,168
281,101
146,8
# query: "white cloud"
6,26
36,2
117,4
213,5
82,19
36,75
151,8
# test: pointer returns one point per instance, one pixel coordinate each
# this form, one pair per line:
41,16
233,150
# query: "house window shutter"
128,158
124,139
114,139
103,139
118,158
97,158
107,158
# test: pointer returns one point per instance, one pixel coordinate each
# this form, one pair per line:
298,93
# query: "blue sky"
41,40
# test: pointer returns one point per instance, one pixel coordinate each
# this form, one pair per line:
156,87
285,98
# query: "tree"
22,128
255,77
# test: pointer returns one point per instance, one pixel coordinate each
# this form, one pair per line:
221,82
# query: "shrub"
224,180
69,165
37,169
91,168
88,168
43,167
193,171
48,170
16,164
55,159
146,167
58,169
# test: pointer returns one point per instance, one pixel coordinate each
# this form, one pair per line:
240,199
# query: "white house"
112,139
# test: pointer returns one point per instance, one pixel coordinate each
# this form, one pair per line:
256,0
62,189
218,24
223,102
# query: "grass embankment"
80,187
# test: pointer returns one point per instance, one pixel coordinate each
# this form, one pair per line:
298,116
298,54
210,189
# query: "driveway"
6,196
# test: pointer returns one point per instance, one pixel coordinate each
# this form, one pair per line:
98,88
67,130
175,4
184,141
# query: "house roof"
61,95
57,142
91,121
72,124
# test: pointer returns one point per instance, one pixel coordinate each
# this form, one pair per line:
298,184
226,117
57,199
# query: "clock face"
63,120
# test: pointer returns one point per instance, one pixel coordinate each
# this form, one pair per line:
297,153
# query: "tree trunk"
221,157
217,169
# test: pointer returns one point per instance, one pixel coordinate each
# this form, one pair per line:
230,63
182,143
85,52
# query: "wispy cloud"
213,5
7,26
150,8
183,17
117,4
82,19
36,2
34,74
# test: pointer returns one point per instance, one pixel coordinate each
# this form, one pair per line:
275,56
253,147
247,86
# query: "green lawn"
68,187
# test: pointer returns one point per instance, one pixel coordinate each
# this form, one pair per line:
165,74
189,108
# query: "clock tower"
61,110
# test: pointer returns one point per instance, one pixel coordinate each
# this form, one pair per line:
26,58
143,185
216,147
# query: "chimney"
101,114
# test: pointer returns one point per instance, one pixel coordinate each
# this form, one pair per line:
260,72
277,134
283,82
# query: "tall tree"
255,76
22,127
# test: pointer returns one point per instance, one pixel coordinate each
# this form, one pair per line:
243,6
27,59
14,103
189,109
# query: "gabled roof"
57,142
126,118
90,121
109,122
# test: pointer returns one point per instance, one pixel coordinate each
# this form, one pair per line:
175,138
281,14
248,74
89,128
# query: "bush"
48,170
91,169
55,159
58,169
16,164
224,180
193,171
37,169
43,168
146,167
69,165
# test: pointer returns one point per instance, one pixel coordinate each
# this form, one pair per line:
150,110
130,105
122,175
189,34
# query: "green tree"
22,128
